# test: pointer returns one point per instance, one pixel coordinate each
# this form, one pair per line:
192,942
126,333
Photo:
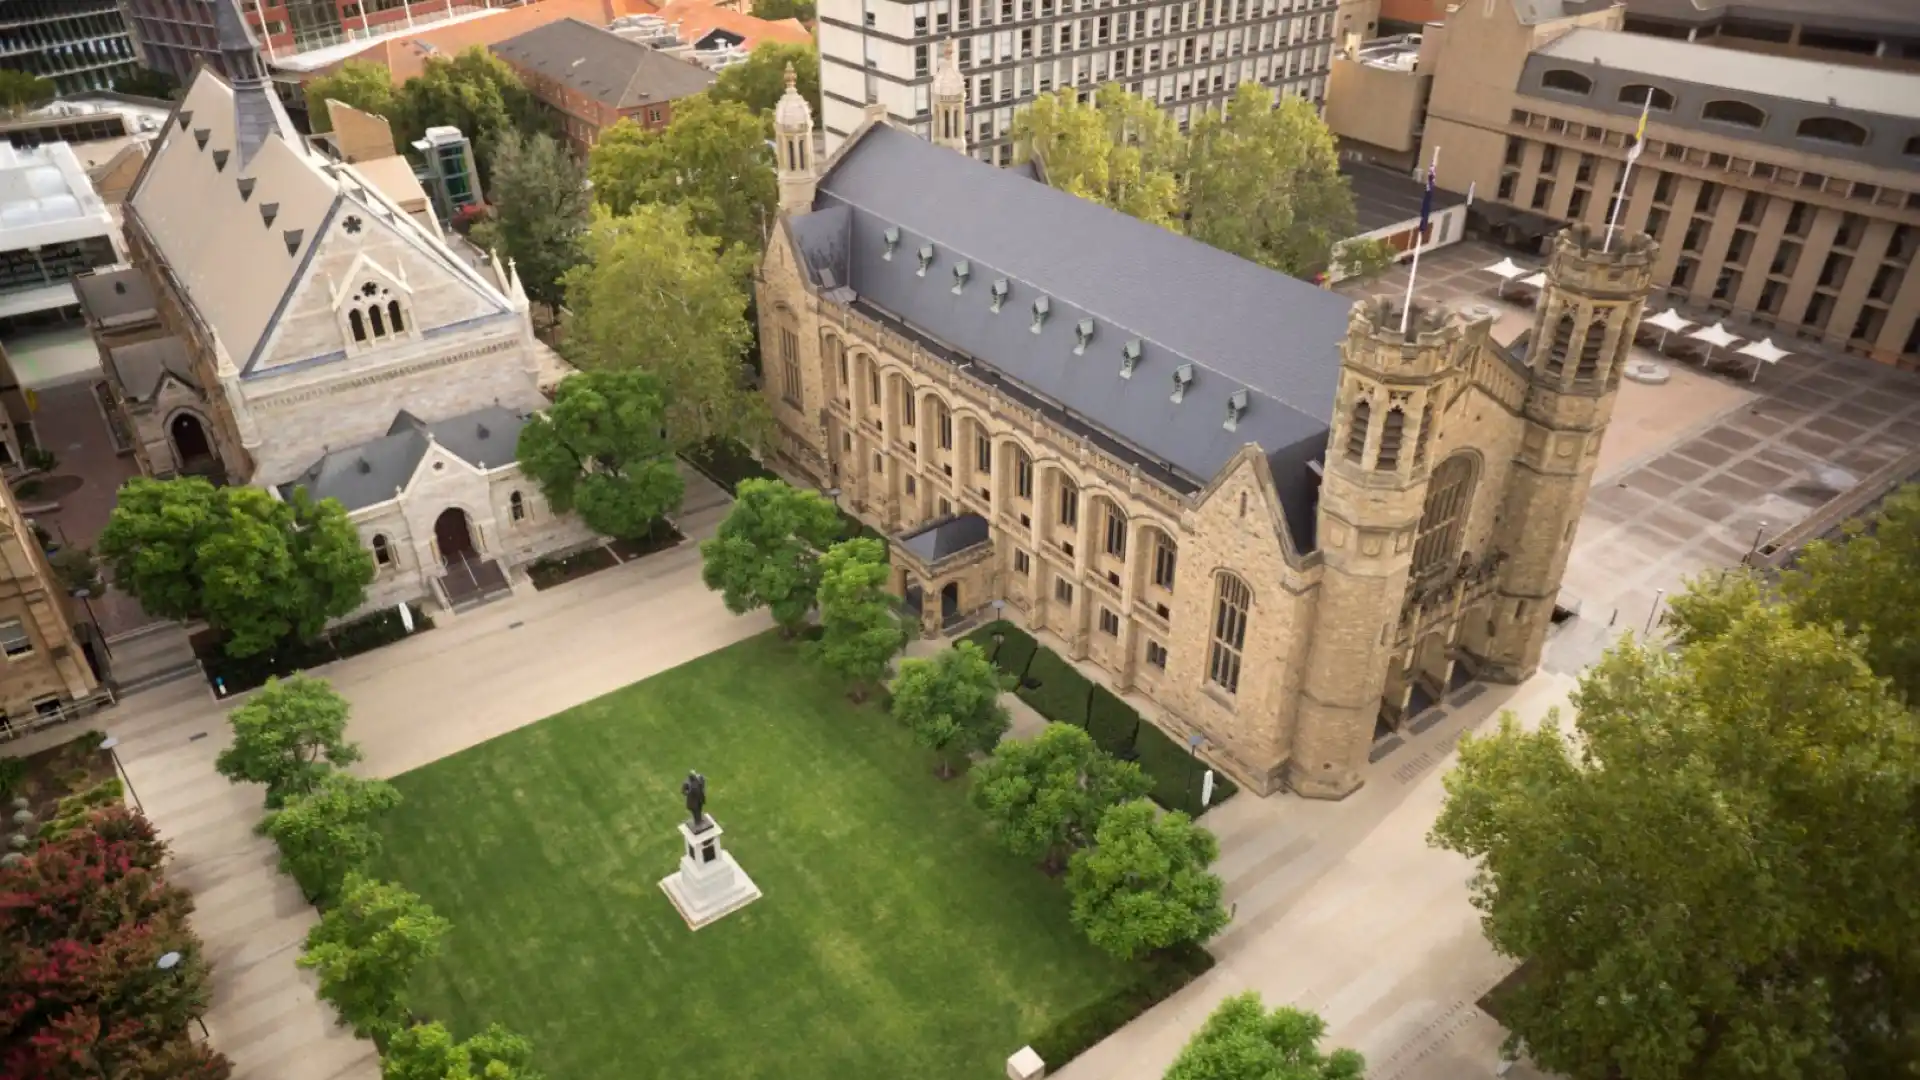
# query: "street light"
85,596
108,745
168,963
1194,742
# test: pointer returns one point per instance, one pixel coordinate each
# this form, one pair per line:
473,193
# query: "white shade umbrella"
1716,336
1763,351
1506,270
1669,321
1538,281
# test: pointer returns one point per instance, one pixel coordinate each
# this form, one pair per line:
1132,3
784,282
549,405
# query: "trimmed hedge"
727,462
229,675
1177,777
1012,653
1161,976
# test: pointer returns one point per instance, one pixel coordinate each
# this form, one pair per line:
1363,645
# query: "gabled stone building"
1287,521
287,323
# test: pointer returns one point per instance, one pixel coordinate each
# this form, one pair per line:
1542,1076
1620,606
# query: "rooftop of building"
405,53
1897,16
1841,86
1537,12
1397,53
602,65
1384,197
369,474
326,57
113,297
697,20
145,366
44,186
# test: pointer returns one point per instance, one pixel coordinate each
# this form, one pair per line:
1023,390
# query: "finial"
791,77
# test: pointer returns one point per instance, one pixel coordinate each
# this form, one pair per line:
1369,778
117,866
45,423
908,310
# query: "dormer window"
892,239
1040,309
999,294
374,314
961,271
1129,358
926,259
1082,335
1236,408
1182,378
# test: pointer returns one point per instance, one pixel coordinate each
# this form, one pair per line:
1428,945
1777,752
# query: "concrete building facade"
44,673
1189,56
1784,190
77,45
53,227
1289,524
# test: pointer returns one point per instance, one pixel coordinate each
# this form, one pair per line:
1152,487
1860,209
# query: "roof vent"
892,238
999,294
961,271
1082,334
120,288
1040,309
220,160
1236,408
185,118
269,211
246,187
201,135
926,259
292,237
362,467
1182,378
1129,358
481,431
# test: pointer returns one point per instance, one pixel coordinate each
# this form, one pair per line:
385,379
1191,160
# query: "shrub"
1012,653
238,675
1113,723
727,463
1159,977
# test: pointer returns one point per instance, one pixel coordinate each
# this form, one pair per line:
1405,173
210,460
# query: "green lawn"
893,938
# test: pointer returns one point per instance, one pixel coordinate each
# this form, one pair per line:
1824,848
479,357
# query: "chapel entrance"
454,535
949,602
190,443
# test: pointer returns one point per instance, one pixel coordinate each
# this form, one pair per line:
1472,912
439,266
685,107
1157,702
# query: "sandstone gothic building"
288,323
1285,521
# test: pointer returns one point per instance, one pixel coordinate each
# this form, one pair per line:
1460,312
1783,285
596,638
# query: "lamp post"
1758,534
1193,761
85,596
999,638
1654,611
108,745
168,963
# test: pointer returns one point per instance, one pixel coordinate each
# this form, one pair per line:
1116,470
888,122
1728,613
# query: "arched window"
393,316
1448,498
1022,474
382,553
1556,359
1166,558
1567,82
1913,146
358,323
1588,366
516,507
1392,429
1231,602
1832,129
378,321
1424,436
1357,430
1116,530
1737,113
1636,94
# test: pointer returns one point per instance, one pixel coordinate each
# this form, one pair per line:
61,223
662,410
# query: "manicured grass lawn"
893,938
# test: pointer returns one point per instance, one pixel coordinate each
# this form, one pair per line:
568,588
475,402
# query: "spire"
793,149
499,272
516,290
792,112
257,112
949,101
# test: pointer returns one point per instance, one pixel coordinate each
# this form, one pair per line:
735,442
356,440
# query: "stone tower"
1394,387
1582,336
949,102
793,150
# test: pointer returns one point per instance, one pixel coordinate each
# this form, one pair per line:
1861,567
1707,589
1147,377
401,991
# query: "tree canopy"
1869,583
760,80
860,631
1046,795
287,736
766,553
710,160
20,91
784,9
261,570
543,209
1241,1040
326,832
363,84
366,949
474,91
951,700
1144,884
429,1052
1711,876
1119,150
600,450
656,295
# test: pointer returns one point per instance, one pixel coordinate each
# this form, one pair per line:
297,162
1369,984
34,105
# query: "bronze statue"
695,789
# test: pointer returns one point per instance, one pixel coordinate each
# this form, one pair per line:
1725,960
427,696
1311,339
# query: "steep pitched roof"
604,66
143,366
1241,332
698,18
368,474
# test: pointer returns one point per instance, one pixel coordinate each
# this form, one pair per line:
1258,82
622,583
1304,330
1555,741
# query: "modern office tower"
74,44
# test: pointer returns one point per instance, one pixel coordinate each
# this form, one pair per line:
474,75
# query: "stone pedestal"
1025,1064
709,884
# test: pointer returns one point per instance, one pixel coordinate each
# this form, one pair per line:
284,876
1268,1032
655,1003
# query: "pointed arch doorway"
453,535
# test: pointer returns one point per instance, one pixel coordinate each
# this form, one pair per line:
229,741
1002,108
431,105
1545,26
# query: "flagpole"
1419,241
1633,155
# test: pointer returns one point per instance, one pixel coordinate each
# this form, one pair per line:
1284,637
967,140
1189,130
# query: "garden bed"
46,777
727,463
661,537
560,569
1059,692
231,675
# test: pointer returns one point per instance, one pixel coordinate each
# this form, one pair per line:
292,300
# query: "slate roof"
1234,325
1383,197
950,536
140,367
367,474
1889,15
604,66
116,296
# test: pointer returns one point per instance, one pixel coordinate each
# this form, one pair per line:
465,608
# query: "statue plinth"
709,883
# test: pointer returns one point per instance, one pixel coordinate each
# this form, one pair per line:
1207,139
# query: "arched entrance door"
189,439
949,601
453,534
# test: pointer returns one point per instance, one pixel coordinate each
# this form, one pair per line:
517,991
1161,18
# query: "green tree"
363,84
860,630
142,82
1712,875
950,700
1241,1040
366,950
599,450
766,553
1264,182
543,210
656,295
1119,150
759,81
327,832
1046,795
287,737
476,92
152,542
429,1052
1362,259
20,91
711,159
1869,583
785,9
1144,885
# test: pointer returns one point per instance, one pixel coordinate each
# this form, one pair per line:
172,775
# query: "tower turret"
1394,388
793,149
949,93
1582,335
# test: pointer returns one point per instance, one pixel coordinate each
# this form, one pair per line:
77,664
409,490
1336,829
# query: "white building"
52,227
1188,55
